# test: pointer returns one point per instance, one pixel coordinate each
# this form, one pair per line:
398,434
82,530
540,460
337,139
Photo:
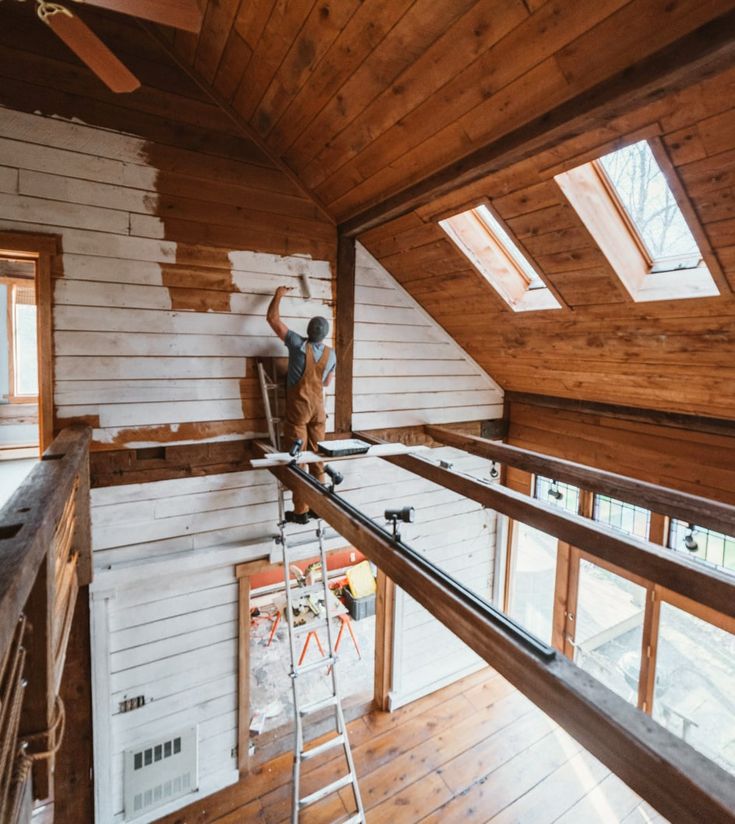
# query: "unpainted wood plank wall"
697,462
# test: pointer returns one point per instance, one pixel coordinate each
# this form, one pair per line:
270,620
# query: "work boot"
297,517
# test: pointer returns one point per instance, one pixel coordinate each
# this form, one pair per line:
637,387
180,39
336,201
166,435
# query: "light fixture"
555,492
689,541
405,515
494,473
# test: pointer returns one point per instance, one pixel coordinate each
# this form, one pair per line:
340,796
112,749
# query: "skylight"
644,193
633,206
485,242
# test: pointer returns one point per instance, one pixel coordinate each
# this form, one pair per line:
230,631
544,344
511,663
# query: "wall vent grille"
157,772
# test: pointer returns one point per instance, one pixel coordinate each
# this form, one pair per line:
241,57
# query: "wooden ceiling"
361,98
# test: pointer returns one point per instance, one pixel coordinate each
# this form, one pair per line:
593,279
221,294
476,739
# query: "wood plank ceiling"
360,99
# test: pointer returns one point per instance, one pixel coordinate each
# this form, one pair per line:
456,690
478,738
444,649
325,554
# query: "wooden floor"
476,751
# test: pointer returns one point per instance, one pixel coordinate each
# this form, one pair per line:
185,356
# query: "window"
704,544
564,495
629,207
693,692
22,345
625,517
609,628
481,238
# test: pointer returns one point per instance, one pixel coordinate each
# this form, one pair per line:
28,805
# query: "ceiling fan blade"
181,14
88,47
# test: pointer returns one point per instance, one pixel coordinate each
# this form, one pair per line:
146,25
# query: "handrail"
28,520
682,505
642,558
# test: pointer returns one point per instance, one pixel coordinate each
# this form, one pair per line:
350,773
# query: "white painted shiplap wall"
407,369
164,613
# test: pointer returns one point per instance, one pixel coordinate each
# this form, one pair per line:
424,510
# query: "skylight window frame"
532,298
590,193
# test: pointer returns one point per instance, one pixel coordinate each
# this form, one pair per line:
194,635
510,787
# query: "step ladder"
303,712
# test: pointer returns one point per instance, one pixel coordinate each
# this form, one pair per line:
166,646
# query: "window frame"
594,198
519,296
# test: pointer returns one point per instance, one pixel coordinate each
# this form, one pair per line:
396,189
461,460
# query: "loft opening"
490,248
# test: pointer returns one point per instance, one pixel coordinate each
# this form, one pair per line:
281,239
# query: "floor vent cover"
157,772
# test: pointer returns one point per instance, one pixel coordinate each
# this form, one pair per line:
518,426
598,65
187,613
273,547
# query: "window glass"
25,364
564,495
704,544
620,515
650,204
695,674
532,580
609,628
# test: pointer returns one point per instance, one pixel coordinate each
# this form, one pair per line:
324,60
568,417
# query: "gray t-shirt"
296,346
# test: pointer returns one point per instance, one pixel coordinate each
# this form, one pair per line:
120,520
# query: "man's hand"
283,290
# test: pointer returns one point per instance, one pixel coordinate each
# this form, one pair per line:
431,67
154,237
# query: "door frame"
45,250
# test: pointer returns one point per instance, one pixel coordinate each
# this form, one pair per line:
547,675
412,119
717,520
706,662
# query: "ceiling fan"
181,14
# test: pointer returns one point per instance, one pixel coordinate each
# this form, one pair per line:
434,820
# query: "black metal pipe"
459,590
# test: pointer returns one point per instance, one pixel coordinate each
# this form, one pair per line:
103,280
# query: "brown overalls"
305,414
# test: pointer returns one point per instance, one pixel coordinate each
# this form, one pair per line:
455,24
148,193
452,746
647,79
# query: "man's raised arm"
273,316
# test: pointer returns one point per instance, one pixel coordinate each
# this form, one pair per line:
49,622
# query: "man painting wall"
310,368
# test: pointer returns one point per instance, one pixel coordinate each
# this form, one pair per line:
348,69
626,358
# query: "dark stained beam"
691,508
642,558
704,51
345,332
678,420
679,782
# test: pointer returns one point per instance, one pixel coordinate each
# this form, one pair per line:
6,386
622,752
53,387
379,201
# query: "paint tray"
347,446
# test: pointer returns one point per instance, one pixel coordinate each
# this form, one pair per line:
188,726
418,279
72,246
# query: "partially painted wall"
158,321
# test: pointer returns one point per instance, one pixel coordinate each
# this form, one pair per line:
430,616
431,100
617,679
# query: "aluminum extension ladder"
318,595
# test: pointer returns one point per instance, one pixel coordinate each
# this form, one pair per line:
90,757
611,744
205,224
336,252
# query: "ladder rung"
315,665
357,818
319,705
334,787
311,625
327,745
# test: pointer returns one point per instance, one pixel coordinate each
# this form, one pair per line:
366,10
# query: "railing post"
37,715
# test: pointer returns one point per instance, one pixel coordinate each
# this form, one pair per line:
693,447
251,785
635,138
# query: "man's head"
317,330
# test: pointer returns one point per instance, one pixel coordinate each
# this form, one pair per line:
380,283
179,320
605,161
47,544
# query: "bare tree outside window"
644,193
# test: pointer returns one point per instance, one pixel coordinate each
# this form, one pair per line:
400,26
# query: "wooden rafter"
677,573
682,505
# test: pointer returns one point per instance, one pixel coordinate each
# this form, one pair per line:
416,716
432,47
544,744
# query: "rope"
54,733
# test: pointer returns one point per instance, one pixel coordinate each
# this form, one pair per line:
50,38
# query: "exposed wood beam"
237,119
692,508
678,420
680,782
345,331
641,558
707,50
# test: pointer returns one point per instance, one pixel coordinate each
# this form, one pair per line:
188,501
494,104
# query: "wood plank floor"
476,751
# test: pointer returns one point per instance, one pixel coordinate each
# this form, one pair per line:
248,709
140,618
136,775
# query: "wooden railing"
45,556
